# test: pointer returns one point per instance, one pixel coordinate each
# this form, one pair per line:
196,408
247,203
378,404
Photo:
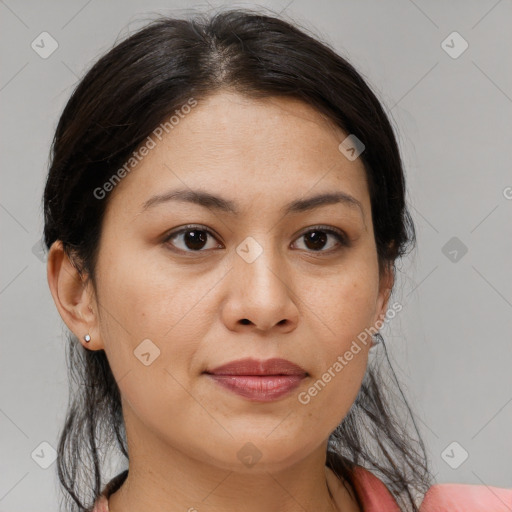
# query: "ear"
386,281
73,296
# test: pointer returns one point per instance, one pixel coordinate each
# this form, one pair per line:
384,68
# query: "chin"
260,453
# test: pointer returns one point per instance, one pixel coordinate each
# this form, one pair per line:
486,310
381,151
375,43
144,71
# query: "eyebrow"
220,204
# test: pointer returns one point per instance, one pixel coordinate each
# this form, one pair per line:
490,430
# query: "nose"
260,296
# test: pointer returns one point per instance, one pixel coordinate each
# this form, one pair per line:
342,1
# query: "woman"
223,212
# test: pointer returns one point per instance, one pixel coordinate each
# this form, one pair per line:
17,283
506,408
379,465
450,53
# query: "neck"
165,479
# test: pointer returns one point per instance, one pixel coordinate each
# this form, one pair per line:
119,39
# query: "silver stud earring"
377,339
87,338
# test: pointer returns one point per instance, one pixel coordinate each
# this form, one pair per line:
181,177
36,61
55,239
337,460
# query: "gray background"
451,344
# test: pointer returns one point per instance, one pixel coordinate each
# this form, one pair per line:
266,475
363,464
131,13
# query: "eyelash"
338,234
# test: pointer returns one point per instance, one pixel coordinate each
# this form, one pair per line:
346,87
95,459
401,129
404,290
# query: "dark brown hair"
126,94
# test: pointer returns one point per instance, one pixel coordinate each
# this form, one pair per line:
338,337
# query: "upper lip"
250,366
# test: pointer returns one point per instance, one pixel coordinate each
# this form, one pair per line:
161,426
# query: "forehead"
265,148
238,124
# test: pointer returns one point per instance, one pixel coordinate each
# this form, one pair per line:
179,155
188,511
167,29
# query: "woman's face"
259,283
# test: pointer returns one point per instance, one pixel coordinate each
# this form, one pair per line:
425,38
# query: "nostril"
245,321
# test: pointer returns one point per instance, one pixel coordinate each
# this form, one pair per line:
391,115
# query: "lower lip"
264,388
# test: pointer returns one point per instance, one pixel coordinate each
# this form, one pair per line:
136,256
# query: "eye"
191,238
316,238
194,238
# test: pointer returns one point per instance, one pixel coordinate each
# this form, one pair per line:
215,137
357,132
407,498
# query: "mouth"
258,380
250,366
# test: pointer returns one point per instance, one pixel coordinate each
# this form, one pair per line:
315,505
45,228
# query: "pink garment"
439,497
376,498
101,504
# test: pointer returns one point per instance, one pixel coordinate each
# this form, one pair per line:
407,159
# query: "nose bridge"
258,265
259,292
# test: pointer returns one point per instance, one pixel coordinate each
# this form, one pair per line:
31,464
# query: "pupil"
318,237
195,239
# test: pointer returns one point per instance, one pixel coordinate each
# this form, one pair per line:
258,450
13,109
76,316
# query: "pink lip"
257,380
249,366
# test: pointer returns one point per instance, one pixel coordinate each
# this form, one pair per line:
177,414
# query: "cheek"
344,311
151,323
151,333
146,298
344,305
331,393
